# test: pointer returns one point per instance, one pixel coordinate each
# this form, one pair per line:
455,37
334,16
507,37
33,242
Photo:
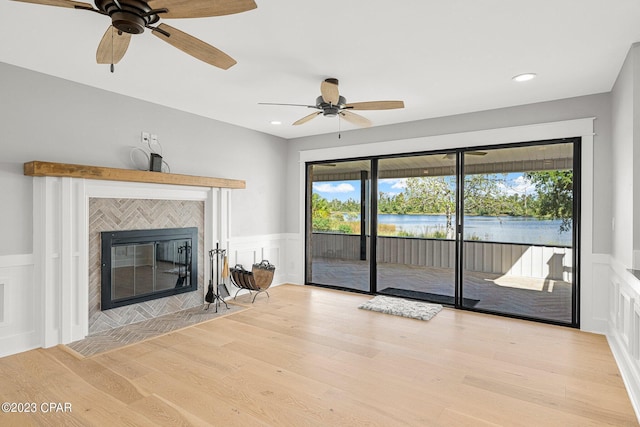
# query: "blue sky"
344,190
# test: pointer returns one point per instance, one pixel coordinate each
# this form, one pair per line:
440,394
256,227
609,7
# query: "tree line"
484,195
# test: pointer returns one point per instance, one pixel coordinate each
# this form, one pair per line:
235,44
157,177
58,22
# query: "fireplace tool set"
214,297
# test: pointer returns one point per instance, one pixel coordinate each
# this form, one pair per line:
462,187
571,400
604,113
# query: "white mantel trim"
61,235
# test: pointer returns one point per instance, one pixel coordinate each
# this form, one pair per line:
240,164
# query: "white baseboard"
19,343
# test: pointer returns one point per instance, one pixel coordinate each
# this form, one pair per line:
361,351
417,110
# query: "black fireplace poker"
214,297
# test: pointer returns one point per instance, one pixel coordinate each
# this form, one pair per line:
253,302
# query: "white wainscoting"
278,249
595,277
19,305
624,327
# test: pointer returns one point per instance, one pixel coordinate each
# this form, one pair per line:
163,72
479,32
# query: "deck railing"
517,259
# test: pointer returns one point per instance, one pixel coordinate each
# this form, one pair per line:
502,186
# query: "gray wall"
47,118
622,107
598,106
626,155
51,119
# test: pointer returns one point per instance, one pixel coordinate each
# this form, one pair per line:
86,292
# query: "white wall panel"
19,305
624,327
635,350
4,302
274,248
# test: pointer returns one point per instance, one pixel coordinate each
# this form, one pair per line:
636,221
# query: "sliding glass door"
416,217
518,223
338,224
492,229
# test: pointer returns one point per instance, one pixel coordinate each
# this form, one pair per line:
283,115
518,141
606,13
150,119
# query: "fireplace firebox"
141,265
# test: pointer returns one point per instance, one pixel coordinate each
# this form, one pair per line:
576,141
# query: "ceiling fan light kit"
329,109
331,104
133,16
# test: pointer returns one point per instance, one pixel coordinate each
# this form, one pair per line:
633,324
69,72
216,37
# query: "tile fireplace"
129,219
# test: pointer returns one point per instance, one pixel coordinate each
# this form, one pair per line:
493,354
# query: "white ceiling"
440,57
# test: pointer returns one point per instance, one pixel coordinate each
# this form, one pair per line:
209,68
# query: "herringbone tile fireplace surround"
138,214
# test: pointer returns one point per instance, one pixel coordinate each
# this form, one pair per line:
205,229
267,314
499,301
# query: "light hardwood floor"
308,356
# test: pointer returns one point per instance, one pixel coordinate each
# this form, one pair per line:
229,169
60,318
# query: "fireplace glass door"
140,269
146,264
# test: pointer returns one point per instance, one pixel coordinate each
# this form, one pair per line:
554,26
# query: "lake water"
494,229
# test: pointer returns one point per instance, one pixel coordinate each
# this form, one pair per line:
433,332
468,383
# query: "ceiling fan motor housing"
330,110
129,16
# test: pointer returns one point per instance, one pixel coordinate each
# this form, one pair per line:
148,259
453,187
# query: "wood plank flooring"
307,356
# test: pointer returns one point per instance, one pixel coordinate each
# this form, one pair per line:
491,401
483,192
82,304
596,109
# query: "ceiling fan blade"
305,119
201,8
60,3
194,47
375,105
113,46
329,91
290,105
355,119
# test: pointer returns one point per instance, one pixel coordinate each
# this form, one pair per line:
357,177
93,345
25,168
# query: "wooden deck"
308,357
524,296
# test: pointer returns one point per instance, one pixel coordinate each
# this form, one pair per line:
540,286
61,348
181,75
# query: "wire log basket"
257,280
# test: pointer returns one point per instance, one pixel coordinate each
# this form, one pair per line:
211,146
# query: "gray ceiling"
440,57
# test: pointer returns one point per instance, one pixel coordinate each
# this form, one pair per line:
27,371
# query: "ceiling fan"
133,16
330,103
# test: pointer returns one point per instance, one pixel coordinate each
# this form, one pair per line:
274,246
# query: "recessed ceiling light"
276,122
524,77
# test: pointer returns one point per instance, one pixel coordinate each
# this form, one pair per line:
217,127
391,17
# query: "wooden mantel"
37,168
